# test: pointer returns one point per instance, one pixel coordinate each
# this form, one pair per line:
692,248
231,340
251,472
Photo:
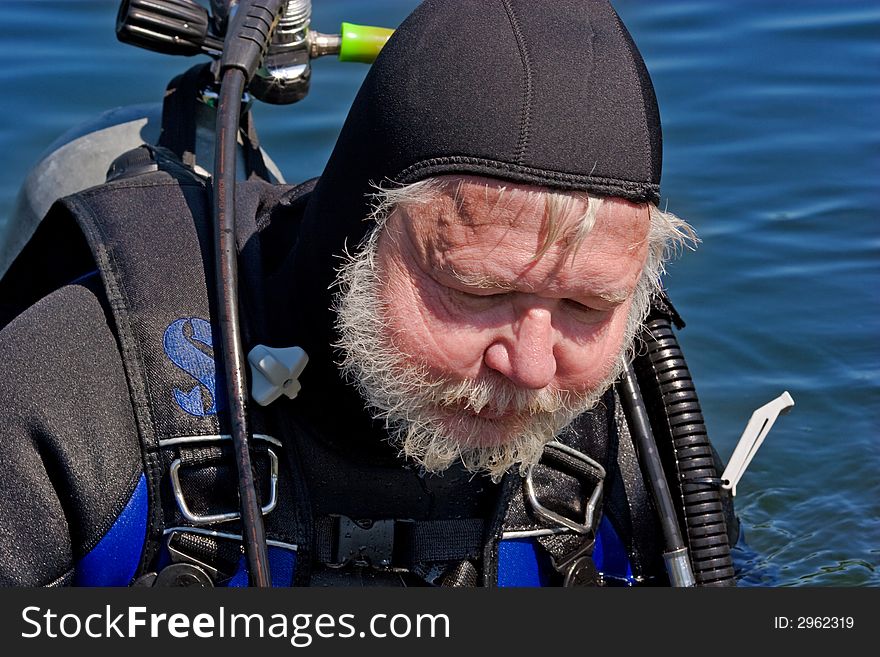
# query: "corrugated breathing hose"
687,454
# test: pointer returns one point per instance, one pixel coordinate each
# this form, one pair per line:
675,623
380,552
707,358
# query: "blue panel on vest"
518,563
282,564
114,560
84,277
610,554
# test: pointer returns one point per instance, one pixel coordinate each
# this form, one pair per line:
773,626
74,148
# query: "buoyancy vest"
581,516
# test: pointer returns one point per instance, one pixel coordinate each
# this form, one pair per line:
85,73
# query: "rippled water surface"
772,151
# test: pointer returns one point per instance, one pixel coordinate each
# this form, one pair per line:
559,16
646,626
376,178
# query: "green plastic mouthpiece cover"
362,43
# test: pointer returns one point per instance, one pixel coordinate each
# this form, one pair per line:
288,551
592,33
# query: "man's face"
494,348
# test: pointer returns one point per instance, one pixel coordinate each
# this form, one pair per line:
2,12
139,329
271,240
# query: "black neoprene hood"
545,92
550,92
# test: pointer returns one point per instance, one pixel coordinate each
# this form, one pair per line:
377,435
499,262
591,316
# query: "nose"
525,356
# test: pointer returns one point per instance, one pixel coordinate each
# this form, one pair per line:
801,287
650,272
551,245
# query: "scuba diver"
462,366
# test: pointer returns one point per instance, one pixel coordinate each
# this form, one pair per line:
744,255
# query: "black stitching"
526,116
634,73
130,352
629,189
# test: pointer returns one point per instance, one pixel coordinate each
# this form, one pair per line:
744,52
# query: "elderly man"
468,278
481,317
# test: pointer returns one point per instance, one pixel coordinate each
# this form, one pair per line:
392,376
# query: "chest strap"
571,550
561,498
392,543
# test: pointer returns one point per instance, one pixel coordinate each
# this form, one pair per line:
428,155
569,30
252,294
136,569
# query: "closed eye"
584,312
477,299
577,305
482,294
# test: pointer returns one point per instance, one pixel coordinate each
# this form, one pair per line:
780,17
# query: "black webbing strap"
179,112
397,543
218,556
571,552
254,163
463,574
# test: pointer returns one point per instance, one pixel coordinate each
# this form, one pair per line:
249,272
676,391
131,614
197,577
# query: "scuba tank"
81,157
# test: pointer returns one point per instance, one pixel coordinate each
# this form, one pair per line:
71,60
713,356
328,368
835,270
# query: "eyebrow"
615,297
479,281
487,282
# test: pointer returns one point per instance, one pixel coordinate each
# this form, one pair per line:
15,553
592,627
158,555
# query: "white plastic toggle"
275,372
756,430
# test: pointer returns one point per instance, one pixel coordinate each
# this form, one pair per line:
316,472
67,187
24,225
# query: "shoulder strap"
148,234
148,250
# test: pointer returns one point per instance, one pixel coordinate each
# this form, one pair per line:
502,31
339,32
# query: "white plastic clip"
756,430
275,372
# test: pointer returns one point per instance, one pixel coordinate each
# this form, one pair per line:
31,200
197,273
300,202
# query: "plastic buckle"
196,519
552,517
180,557
367,542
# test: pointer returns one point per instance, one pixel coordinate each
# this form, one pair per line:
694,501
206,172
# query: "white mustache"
500,397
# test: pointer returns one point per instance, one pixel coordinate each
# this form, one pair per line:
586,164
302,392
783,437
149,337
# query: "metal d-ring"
551,516
196,519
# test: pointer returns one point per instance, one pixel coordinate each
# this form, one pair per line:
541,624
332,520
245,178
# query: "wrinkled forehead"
473,202
477,201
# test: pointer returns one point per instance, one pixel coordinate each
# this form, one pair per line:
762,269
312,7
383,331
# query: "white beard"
436,422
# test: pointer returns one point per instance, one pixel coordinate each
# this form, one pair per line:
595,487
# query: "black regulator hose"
677,420
245,44
678,566
226,267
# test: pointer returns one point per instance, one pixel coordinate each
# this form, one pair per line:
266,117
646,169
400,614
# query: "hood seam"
636,191
623,33
526,111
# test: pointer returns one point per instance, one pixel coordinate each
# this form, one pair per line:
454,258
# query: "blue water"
772,151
